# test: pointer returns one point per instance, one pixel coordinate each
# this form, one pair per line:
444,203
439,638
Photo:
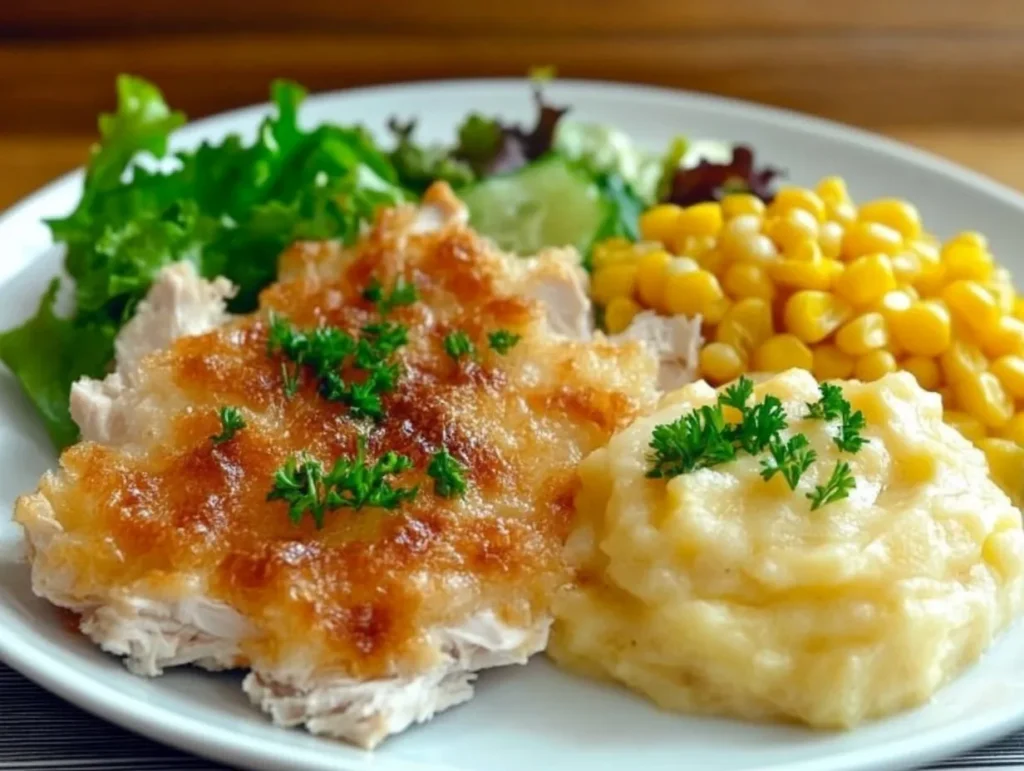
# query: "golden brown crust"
360,594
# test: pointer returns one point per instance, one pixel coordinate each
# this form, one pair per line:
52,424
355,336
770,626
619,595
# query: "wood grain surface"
941,74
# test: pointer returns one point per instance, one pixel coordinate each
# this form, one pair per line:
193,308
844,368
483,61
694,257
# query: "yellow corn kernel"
1014,429
833,190
830,239
923,329
615,280
812,315
789,198
1018,308
619,313
806,251
1005,461
791,229
866,279
863,335
948,398
748,279
874,365
894,302
696,246
803,274
830,363
971,304
973,238
966,260
695,293
906,267
720,363
1002,291
983,396
932,275
970,427
612,250
961,360
925,371
701,219
659,222
844,213
746,324
1004,337
651,271
899,215
782,352
738,204
868,238
1010,371
713,261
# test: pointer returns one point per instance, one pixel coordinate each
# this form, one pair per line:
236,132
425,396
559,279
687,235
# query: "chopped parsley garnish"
402,293
231,422
352,483
836,488
791,459
448,474
832,406
703,438
325,351
502,341
457,344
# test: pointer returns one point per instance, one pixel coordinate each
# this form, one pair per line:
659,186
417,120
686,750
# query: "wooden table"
941,74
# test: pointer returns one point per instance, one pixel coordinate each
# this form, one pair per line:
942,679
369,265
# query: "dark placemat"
39,732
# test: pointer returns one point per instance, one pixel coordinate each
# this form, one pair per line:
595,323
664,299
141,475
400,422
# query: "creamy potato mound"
718,592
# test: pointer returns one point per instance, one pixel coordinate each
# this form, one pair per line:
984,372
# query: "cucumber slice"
547,203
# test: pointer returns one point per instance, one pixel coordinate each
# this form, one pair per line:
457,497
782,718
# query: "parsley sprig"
402,293
703,438
502,341
352,483
231,422
325,351
457,344
448,474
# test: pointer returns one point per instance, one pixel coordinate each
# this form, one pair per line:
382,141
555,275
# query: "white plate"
537,716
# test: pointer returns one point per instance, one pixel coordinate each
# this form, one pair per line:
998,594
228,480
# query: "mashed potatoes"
718,592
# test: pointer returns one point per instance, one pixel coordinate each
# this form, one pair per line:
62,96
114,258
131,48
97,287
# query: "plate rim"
191,735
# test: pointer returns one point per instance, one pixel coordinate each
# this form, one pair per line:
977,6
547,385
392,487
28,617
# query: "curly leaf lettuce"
230,208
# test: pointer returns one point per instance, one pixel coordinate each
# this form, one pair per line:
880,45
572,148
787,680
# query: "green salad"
232,207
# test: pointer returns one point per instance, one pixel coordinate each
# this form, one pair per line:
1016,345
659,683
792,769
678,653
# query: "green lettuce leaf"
230,208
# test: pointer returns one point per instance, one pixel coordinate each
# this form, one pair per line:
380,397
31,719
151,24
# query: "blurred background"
945,75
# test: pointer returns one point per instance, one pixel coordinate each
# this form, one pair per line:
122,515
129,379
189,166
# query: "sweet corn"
971,304
843,213
615,280
966,260
619,313
1005,461
612,250
651,272
1009,370
746,324
899,215
866,279
782,352
906,267
874,365
806,251
894,302
748,279
791,229
868,238
789,198
830,363
961,360
659,222
971,237
983,396
925,371
923,329
833,190
737,204
1014,429
695,293
701,219
830,239
804,274
970,427
720,363
1006,336
862,335
932,274
1018,308
812,315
